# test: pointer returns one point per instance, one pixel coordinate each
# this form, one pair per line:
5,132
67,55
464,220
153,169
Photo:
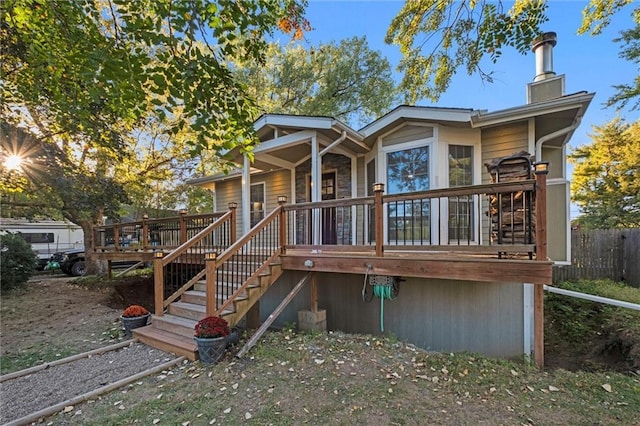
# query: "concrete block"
310,320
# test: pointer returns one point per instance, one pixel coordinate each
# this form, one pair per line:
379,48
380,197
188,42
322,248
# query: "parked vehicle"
45,236
72,262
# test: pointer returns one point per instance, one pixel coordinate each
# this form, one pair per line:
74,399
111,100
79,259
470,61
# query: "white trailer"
45,236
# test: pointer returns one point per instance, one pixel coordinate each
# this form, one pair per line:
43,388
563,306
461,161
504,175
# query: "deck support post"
210,265
158,283
116,237
314,292
378,190
183,226
145,231
541,170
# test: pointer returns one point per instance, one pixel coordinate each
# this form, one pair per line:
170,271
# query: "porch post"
541,171
378,189
210,265
316,167
158,283
246,195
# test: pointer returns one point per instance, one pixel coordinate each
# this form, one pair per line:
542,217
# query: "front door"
328,225
329,221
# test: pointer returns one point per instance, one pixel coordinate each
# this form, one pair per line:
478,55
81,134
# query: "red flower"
134,311
210,327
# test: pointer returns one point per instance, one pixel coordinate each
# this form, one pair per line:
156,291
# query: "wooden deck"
203,251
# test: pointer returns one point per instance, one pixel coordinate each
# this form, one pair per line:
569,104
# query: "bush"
17,261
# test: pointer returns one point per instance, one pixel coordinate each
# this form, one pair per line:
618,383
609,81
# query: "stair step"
202,286
192,311
175,324
167,341
200,297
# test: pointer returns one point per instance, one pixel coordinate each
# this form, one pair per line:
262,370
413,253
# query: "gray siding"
446,316
557,226
408,134
276,183
501,142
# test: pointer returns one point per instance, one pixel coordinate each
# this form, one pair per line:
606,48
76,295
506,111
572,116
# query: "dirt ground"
70,318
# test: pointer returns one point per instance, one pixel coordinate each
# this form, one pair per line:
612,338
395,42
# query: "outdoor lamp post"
282,199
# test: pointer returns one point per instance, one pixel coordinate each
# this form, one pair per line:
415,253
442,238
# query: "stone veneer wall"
330,162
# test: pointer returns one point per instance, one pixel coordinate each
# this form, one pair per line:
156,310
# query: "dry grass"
336,378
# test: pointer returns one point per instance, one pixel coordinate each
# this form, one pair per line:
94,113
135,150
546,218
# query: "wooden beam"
314,292
541,256
252,341
438,267
158,285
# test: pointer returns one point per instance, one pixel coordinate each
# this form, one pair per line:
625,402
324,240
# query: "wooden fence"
603,253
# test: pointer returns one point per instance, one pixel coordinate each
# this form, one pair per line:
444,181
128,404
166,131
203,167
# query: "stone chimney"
546,85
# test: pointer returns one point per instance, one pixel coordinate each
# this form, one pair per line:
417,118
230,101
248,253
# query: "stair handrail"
160,261
235,247
277,213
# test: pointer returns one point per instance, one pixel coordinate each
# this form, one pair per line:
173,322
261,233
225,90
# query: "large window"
461,218
409,222
257,203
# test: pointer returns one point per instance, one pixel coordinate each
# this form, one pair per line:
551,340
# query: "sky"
590,63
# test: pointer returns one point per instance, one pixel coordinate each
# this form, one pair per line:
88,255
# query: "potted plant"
133,317
211,336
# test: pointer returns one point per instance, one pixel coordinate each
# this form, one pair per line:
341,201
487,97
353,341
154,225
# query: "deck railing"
229,274
494,218
151,234
179,270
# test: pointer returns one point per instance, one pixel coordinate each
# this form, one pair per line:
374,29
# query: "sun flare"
13,162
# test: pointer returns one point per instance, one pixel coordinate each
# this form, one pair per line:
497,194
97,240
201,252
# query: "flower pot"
234,337
130,323
211,350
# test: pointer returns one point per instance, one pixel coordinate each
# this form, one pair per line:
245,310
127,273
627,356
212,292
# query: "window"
257,203
409,222
37,237
461,208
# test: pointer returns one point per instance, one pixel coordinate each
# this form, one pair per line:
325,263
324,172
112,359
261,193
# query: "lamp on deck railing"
282,199
378,187
233,205
541,167
182,212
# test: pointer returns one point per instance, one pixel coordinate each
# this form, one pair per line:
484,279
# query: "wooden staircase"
173,331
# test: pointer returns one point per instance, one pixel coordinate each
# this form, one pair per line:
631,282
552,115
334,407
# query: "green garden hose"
383,292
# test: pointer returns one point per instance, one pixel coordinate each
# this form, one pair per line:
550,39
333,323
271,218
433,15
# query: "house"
413,149
402,212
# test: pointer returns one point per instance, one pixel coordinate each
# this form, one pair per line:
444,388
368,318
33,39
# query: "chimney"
546,85
543,48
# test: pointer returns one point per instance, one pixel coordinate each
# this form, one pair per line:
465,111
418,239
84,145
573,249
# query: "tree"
82,66
606,177
97,86
631,52
437,37
346,80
